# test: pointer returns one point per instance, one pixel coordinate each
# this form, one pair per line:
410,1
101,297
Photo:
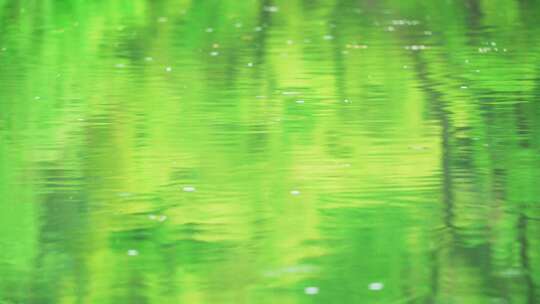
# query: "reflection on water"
269,151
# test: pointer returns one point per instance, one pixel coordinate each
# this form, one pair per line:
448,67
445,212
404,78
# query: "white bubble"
189,189
300,101
168,69
250,64
148,58
214,53
271,9
311,290
376,286
295,192
162,19
133,252
209,30
162,218
328,37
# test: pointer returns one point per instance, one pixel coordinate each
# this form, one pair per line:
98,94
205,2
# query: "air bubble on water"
300,101
464,87
209,30
168,69
133,252
415,47
295,192
148,58
271,9
311,290
376,286
214,53
250,64
346,101
120,65
238,24
405,22
37,98
188,189
328,37
390,29
258,28
162,19
289,42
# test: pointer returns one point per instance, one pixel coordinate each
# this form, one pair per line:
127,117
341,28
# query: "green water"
293,151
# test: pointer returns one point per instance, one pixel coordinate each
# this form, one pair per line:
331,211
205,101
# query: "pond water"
270,151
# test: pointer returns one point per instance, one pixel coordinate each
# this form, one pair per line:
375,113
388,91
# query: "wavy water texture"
270,151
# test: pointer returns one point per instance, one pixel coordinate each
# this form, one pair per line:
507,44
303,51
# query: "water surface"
270,151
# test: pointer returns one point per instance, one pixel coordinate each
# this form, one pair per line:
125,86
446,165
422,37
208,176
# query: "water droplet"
271,9
133,252
189,189
311,290
376,286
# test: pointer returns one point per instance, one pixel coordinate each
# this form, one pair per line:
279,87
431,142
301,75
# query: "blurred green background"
270,151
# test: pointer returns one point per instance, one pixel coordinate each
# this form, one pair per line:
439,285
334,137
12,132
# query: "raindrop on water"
311,290
376,286
189,189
